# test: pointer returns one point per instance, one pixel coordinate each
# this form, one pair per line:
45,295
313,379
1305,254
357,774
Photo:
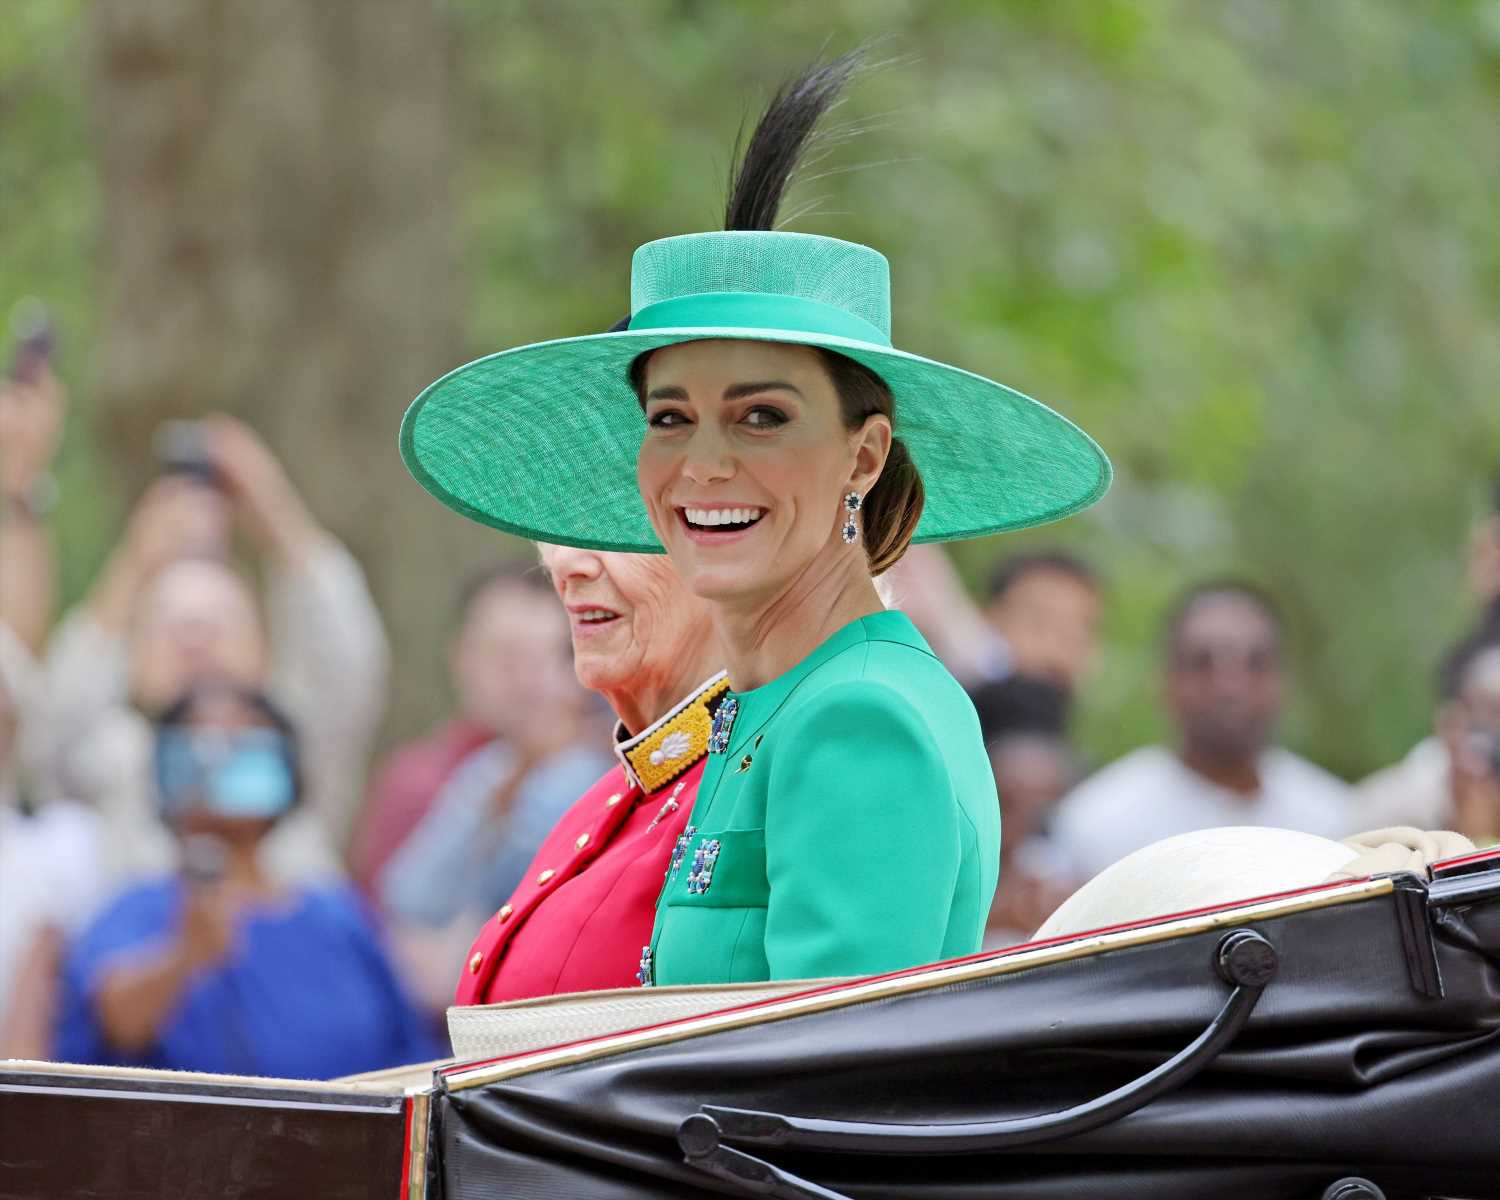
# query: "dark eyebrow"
738,391
735,391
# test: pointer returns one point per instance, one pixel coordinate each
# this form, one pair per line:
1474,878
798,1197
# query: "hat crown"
842,275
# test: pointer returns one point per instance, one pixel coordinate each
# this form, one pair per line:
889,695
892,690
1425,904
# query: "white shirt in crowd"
1417,791
49,861
50,874
1151,794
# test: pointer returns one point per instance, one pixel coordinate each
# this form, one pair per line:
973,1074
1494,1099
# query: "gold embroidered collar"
667,747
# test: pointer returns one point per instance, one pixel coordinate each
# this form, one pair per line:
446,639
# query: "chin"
723,573
723,582
592,673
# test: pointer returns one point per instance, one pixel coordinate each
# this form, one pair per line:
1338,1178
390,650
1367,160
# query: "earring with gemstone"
852,503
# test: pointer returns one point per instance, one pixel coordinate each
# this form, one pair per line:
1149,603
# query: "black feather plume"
789,127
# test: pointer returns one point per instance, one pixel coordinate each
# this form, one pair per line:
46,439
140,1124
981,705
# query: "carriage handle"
1243,958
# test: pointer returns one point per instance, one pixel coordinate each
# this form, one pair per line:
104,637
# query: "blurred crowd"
194,874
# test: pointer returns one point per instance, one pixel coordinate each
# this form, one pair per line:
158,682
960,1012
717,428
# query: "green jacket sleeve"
862,838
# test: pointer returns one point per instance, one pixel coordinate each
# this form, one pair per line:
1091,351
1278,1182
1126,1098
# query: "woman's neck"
766,637
645,702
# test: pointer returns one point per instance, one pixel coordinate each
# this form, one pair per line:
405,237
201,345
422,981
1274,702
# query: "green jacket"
850,827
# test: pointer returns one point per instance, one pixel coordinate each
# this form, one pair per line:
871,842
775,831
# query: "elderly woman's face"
633,624
745,463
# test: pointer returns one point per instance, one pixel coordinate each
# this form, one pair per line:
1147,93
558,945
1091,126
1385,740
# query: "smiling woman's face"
635,628
745,464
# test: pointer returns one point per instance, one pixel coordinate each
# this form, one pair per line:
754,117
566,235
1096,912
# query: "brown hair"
893,505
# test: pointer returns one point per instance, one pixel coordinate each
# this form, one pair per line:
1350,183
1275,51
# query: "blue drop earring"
852,503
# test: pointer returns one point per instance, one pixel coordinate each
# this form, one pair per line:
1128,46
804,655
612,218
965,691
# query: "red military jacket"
584,911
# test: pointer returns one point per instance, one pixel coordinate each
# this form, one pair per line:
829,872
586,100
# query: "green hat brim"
541,441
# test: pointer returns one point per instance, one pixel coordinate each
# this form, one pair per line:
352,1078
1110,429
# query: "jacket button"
474,963
545,875
613,800
504,914
583,840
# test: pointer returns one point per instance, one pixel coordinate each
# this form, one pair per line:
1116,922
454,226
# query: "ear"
871,443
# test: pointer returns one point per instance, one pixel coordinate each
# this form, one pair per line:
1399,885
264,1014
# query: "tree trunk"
278,241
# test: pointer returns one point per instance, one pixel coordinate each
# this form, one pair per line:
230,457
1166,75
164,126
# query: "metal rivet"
474,963
546,875
504,914
583,840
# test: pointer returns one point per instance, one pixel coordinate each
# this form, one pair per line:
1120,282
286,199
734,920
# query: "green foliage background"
1251,246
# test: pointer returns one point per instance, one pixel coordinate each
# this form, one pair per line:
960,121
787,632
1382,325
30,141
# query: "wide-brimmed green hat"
541,441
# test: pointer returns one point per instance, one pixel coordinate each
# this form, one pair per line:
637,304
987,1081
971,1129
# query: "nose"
569,562
705,459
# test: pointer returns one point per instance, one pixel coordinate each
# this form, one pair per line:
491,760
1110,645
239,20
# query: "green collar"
759,705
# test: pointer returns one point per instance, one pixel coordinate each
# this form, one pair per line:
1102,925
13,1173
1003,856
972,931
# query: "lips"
720,518
591,616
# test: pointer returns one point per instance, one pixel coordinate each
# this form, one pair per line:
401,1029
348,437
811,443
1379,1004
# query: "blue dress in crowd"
307,992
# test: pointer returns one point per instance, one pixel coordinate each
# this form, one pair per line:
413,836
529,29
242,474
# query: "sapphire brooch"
679,849
724,715
702,873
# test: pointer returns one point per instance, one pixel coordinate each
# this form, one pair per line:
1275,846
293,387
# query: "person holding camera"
170,609
1452,779
1445,774
217,967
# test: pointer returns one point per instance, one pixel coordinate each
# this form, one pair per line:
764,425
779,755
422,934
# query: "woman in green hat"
754,420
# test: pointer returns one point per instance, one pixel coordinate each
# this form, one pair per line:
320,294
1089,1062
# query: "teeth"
596,614
723,516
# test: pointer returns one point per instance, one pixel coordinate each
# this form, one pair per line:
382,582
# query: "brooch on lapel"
679,849
702,873
644,975
724,715
745,762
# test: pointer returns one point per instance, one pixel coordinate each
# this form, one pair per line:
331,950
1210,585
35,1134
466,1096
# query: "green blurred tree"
1246,243
275,241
